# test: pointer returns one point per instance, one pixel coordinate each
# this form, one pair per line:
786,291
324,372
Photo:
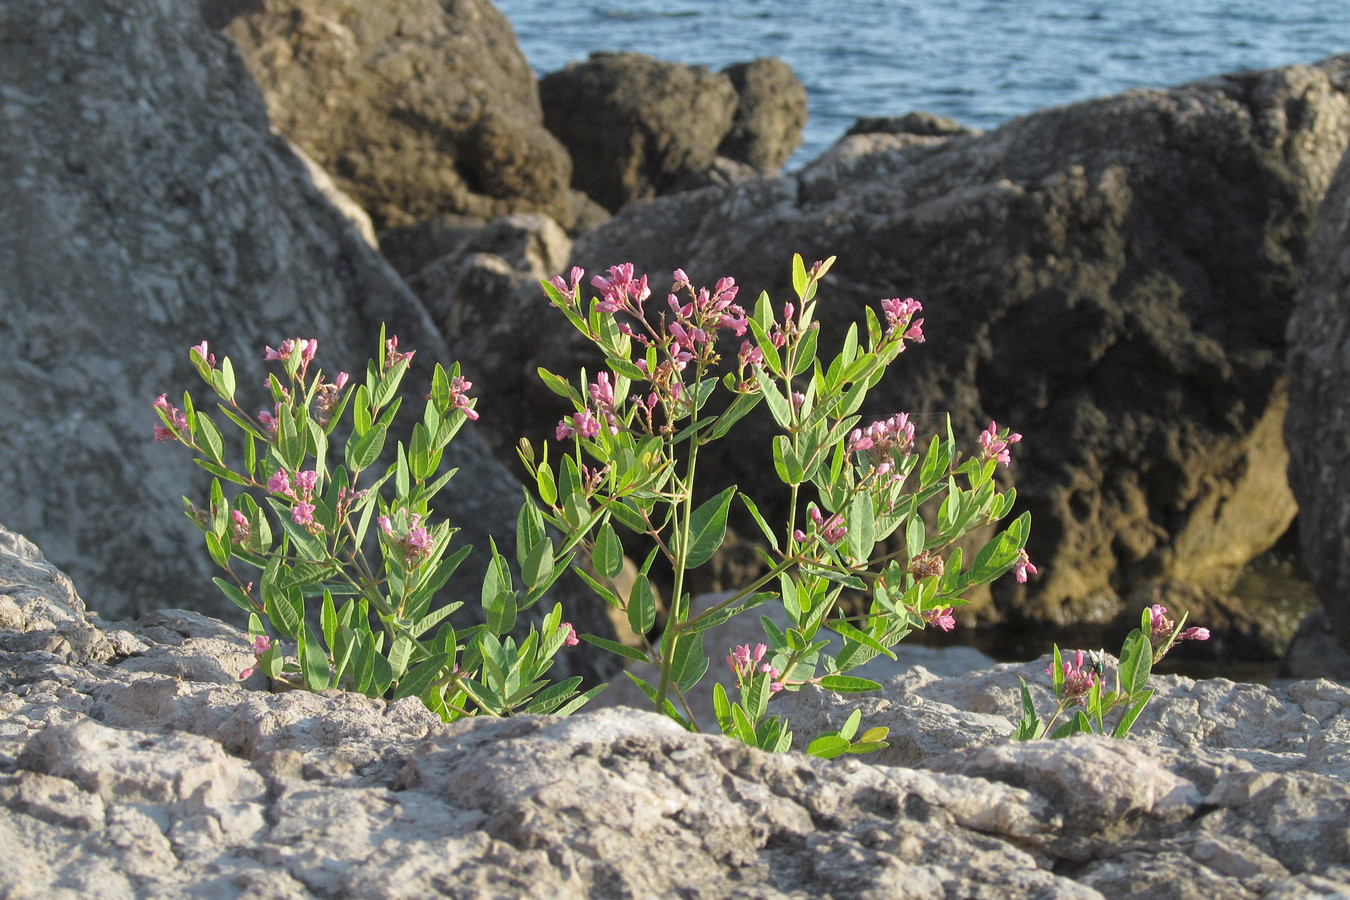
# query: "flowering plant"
309,542
1080,681
634,438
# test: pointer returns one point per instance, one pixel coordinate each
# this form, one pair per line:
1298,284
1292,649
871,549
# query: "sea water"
980,62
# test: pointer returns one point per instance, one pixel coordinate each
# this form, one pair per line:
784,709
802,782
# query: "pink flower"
261,644
942,618
459,396
341,381
750,355
1023,567
386,526
569,291
1160,626
884,438
995,447
899,314
269,421
417,544
392,355
1195,634
619,292
743,659
586,424
1078,681
242,527
163,432
302,513
571,639
833,529
306,481
201,351
280,483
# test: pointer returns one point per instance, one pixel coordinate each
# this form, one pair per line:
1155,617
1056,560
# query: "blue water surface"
980,62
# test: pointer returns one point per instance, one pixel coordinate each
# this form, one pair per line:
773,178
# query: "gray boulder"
635,125
146,207
416,107
125,780
770,113
1317,428
1111,279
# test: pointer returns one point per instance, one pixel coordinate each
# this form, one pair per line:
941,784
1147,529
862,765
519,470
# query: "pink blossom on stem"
1078,680
341,381
392,355
1160,627
1023,567
180,426
571,640
942,618
743,659
459,397
269,421
1195,633
586,424
569,291
899,315
302,513
280,483
386,525
210,358
750,355
242,527
883,438
261,644
995,447
833,529
305,482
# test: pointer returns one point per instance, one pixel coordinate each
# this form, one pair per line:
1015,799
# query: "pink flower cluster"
1023,567
180,425
995,446
884,441
942,618
392,355
745,663
459,396
832,529
900,318
571,640
1161,628
300,491
1078,678
416,543
304,348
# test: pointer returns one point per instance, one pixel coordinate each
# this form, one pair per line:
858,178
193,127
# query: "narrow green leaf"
616,648
848,684
608,556
314,661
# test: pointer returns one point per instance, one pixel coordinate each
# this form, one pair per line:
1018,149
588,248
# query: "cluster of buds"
883,442
571,639
459,396
994,444
587,423
392,355
1023,567
1079,677
900,319
300,491
261,644
1161,628
745,663
301,348
832,529
416,543
242,527
326,397
178,429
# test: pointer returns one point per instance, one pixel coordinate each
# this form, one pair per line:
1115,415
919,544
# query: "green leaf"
935,463
738,409
422,675
314,661
914,537
722,708
689,663
558,385
501,612
328,619
608,556
707,528
759,520
529,529
641,606
755,697
742,728
785,462
363,451
220,552
1029,729
848,684
615,647
828,746
861,527
1136,662
851,725
237,597
799,275
778,404
1127,720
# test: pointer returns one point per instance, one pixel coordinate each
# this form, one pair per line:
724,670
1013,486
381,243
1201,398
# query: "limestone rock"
416,107
770,113
123,783
1317,428
1109,278
634,125
147,207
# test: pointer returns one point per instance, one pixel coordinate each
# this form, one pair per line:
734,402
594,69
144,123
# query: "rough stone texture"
1110,278
918,122
634,125
1317,427
416,107
121,782
770,114
145,206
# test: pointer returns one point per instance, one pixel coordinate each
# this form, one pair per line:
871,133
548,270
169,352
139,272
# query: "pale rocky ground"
134,764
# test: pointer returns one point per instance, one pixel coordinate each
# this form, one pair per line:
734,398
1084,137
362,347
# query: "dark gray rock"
634,125
920,123
416,107
770,113
146,206
1111,279
116,782
1317,428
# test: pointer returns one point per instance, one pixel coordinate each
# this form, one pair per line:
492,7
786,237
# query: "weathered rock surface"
770,113
635,124
1110,278
145,207
1317,427
416,107
159,780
